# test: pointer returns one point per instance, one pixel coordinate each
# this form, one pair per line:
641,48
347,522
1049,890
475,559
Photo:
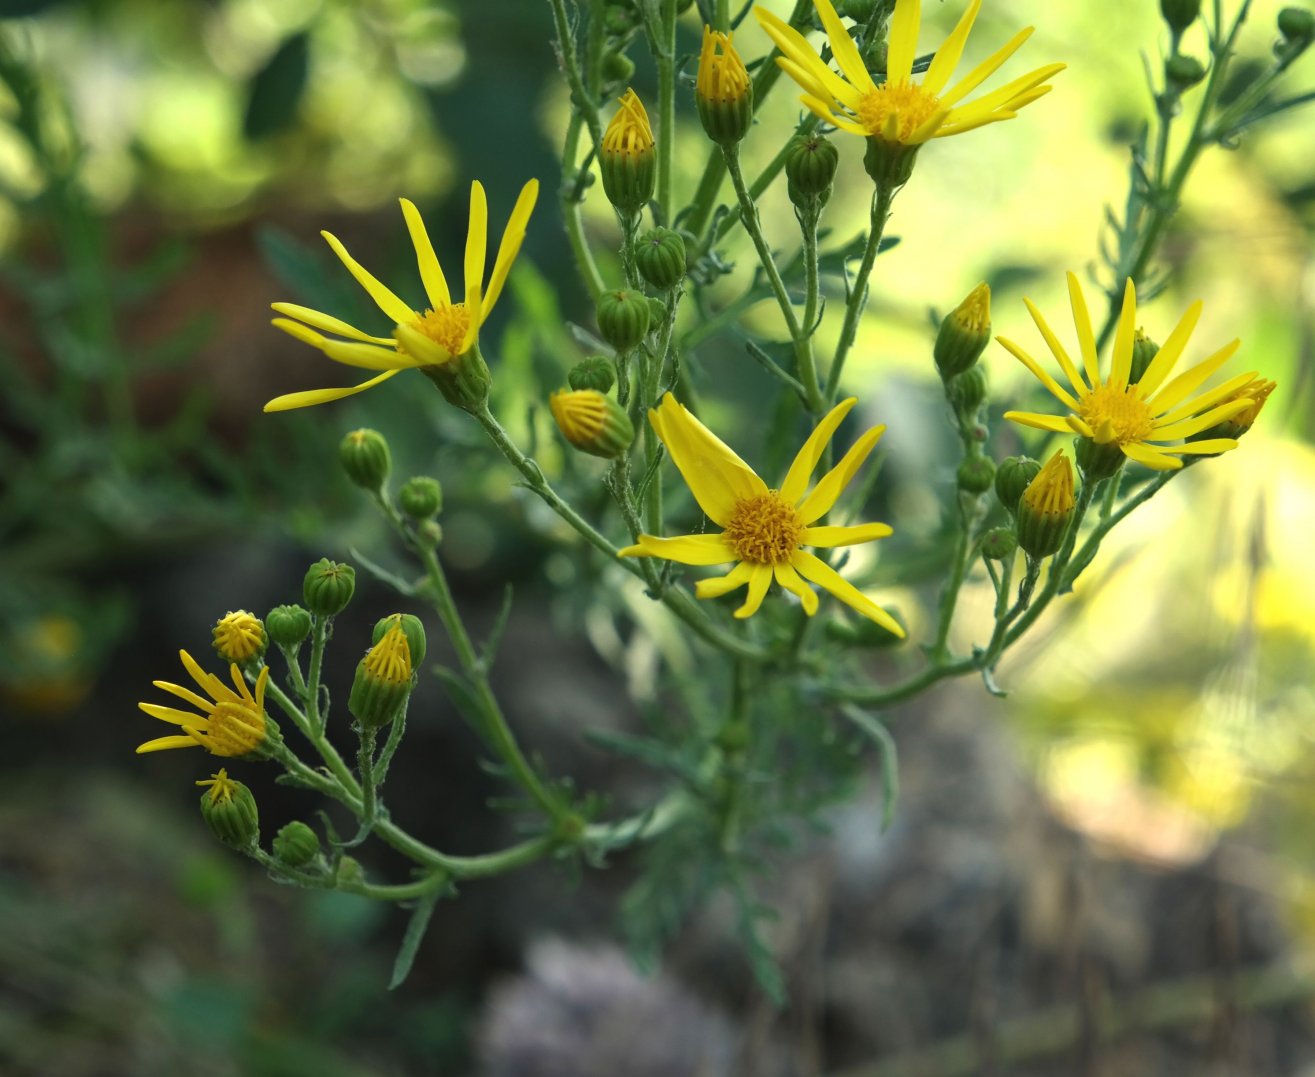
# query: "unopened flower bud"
288,625
1297,24
296,845
229,810
421,497
722,89
618,68
1097,459
660,256
1180,14
364,456
1046,508
810,169
383,680
328,587
464,380
889,163
975,475
1182,72
627,158
1012,478
597,372
967,391
239,637
1144,351
429,532
411,627
623,318
964,332
999,544
592,422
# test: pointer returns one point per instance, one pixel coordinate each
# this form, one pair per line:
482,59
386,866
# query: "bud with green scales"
1097,459
1046,508
660,256
365,458
383,680
966,392
1144,351
627,158
1012,477
328,587
295,845
975,474
239,637
1182,72
229,809
810,170
1180,14
593,422
597,373
411,627
722,90
464,380
421,497
623,318
1297,25
288,625
964,333
999,544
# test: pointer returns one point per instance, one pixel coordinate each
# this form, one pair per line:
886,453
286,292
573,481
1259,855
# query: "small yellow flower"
1136,419
232,722
389,660
764,530
1051,492
222,787
239,636
899,110
629,132
722,76
432,337
627,160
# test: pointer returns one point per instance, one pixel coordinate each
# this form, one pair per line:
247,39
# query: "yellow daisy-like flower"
900,110
1138,418
432,337
232,722
764,530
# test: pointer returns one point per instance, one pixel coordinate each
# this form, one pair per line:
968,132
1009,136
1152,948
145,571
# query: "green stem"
753,226
665,56
958,570
365,770
573,215
881,200
316,736
805,356
764,180
319,637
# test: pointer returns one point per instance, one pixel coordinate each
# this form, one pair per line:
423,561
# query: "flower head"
629,132
433,337
232,721
1134,419
239,637
764,530
626,159
722,90
899,110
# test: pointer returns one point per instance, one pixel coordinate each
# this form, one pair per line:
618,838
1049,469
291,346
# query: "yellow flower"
232,722
389,660
722,76
432,337
899,110
1136,419
239,636
629,132
763,529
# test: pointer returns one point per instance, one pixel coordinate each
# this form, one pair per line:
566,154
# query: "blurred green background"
1140,806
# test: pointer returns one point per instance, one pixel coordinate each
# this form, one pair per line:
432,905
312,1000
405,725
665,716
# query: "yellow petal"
1170,352
1009,97
1208,445
161,743
1121,363
1187,427
788,578
801,470
206,681
1057,349
760,578
823,111
326,322
423,350
170,714
396,310
477,238
1037,421
818,503
1151,457
827,537
715,475
1082,322
985,69
687,549
311,397
1040,373
947,56
1209,399
1189,381
365,356
843,47
431,273
902,43
512,238
721,585
813,568
200,704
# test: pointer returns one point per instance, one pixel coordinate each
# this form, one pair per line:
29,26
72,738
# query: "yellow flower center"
234,730
389,660
446,326
764,530
1115,415
894,112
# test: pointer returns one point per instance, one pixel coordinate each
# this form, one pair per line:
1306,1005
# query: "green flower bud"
1296,24
328,587
364,456
627,158
429,532
421,497
464,380
660,256
383,680
239,637
288,625
1098,460
1144,351
229,810
810,169
964,333
620,18
1012,478
1183,72
1046,508
597,372
999,544
411,627
592,422
1180,14
296,845
350,873
722,90
618,68
975,475
623,318
967,391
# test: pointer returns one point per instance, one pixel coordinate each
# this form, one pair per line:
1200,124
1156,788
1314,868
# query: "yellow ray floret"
232,721
1141,417
899,110
764,530
431,337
